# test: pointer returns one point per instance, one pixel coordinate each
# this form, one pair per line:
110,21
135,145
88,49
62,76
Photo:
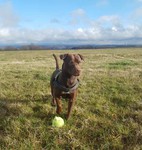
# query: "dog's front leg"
53,103
71,103
59,105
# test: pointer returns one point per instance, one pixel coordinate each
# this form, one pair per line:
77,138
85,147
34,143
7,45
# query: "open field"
107,113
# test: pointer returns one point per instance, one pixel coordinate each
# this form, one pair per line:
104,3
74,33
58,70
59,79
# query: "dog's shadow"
23,113
38,108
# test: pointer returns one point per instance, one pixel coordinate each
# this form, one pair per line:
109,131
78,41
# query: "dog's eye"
77,61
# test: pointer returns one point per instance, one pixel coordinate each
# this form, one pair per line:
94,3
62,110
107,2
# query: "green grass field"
107,114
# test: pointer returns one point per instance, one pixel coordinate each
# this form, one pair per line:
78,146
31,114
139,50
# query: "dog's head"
71,64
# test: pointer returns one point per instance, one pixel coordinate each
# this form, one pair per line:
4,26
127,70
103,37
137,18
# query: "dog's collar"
66,90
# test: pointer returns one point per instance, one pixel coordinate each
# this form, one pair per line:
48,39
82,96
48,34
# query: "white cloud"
8,18
108,18
78,16
104,30
112,19
80,30
114,29
91,35
78,12
137,13
4,32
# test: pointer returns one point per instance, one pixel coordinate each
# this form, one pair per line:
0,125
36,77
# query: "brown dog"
64,83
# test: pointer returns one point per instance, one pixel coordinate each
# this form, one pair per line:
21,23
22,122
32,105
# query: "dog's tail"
56,59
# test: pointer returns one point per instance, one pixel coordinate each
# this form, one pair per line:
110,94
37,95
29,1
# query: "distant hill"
60,47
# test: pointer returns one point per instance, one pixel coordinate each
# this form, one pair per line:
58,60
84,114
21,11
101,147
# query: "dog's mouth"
76,74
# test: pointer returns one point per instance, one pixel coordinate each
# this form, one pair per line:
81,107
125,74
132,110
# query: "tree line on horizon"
62,47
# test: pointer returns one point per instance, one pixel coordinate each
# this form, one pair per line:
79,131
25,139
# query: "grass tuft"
123,64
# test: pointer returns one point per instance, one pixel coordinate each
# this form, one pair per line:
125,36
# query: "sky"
71,21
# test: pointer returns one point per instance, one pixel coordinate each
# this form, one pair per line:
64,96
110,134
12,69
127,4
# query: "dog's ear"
81,57
63,56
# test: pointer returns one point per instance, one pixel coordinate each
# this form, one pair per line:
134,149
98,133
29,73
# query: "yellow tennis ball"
57,122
